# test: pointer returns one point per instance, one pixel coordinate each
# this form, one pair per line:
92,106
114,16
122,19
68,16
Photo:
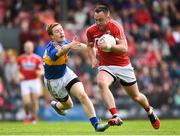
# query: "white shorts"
31,86
125,73
59,88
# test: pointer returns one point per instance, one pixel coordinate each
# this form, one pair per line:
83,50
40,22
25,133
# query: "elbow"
125,50
122,47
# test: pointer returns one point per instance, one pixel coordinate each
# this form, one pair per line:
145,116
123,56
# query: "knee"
82,97
26,102
34,103
102,84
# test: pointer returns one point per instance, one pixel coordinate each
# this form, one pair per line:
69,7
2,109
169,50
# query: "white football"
110,40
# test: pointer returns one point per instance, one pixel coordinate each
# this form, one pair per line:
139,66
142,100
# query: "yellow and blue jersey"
54,66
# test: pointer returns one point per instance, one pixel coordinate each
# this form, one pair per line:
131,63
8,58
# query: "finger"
78,44
102,41
83,46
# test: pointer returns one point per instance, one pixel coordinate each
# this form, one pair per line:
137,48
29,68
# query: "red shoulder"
91,29
38,58
20,57
117,29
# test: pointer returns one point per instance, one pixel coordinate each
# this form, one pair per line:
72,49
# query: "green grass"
130,127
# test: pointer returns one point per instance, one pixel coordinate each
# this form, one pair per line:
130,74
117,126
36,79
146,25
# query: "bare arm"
63,50
20,75
74,45
40,71
120,47
92,55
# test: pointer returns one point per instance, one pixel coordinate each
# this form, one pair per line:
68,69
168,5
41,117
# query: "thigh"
34,97
36,87
104,76
77,89
26,99
132,90
56,88
25,89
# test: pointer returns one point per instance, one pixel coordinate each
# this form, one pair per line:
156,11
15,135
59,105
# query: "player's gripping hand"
103,45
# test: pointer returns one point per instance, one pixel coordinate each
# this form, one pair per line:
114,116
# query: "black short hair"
102,8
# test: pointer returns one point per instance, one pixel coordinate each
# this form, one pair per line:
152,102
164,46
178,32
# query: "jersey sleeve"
90,38
52,53
119,32
39,62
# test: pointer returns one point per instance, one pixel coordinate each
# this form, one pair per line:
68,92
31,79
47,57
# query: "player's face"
28,47
58,33
101,19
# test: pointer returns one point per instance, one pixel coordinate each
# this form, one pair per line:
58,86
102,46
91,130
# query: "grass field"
130,127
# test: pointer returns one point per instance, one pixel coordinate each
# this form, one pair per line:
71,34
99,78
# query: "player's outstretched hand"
76,45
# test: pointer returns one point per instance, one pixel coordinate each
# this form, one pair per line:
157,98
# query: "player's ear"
52,36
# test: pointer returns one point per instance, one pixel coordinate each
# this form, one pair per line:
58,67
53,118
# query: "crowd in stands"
152,28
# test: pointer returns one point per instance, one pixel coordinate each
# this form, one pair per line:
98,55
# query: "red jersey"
28,65
108,58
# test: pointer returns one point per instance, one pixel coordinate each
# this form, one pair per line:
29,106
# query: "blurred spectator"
152,57
1,93
11,71
143,16
1,48
2,12
174,71
40,48
2,64
177,98
24,35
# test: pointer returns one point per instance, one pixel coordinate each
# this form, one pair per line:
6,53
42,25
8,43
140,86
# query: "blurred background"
152,28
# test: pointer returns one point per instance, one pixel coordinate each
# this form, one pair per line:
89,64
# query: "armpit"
91,44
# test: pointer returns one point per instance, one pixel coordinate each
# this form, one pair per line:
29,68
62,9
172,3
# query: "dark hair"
102,8
50,27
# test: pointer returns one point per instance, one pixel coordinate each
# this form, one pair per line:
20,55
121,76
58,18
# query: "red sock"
113,111
33,118
27,113
147,109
